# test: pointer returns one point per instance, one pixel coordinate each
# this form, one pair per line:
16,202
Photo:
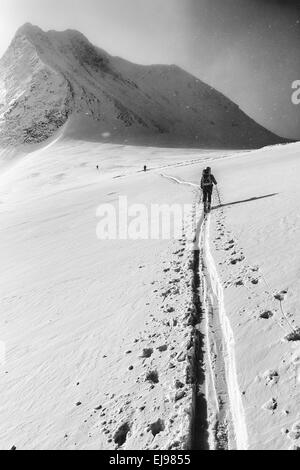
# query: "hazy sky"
248,49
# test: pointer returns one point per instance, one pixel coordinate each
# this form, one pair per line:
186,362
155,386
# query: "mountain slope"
45,78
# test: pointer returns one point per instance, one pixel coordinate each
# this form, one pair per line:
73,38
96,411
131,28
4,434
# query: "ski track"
177,180
216,383
235,396
213,299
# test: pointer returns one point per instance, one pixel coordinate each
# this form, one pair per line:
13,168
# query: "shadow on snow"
245,200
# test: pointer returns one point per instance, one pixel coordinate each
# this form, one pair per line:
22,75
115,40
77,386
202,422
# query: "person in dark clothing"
207,184
145,168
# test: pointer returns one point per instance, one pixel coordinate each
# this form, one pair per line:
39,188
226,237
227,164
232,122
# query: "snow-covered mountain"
48,80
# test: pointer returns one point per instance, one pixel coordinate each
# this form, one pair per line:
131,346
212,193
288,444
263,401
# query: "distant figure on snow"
145,168
207,184
97,167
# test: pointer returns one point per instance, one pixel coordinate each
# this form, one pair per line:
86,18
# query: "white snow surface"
254,240
78,315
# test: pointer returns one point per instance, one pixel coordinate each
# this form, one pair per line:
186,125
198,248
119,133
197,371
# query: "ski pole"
218,195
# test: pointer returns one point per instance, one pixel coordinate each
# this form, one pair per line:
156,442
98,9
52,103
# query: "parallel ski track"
223,396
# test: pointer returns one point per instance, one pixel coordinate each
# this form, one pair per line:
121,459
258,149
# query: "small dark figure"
207,183
145,168
97,167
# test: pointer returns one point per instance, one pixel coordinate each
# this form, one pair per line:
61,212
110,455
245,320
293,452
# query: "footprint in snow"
147,353
179,385
266,315
271,405
121,434
152,377
237,260
294,336
280,296
294,435
180,395
271,377
157,427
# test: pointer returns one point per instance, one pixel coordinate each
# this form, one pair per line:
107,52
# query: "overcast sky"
248,49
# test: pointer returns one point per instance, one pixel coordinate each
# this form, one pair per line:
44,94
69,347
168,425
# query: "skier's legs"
210,190
209,196
205,197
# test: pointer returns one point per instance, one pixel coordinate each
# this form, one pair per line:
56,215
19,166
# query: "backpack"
206,179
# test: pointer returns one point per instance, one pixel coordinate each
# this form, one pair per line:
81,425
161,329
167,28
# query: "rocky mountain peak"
47,77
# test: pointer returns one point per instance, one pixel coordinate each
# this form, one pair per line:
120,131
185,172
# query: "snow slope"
45,78
86,322
98,334
255,246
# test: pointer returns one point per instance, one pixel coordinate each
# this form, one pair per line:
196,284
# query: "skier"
145,168
207,183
